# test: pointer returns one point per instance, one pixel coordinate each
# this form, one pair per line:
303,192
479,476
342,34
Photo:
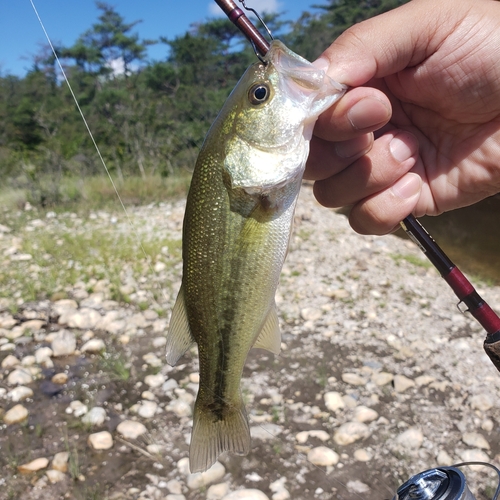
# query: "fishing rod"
467,294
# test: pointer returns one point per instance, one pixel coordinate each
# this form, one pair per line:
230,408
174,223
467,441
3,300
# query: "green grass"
82,193
411,259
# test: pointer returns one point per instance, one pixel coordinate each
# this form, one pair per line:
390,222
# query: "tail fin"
212,436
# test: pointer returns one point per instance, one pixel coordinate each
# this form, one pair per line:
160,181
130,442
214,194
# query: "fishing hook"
462,287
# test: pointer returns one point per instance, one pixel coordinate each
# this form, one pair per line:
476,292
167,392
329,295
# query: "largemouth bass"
236,231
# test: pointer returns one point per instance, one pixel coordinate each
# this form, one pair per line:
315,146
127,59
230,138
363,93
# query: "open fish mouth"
302,80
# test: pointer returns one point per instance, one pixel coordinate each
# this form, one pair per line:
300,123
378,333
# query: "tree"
109,46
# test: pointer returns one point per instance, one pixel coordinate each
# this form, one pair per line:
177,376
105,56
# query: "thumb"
392,41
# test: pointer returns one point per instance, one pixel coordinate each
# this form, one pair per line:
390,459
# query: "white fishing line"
127,215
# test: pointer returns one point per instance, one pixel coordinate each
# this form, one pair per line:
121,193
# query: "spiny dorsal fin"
179,337
270,335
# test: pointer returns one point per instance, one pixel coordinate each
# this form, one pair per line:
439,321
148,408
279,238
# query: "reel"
443,483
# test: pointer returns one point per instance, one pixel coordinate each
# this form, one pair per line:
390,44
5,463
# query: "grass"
117,366
411,259
73,248
80,193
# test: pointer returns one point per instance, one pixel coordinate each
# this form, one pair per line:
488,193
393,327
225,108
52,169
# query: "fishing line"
101,158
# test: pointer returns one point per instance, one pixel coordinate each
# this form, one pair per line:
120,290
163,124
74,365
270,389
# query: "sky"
65,20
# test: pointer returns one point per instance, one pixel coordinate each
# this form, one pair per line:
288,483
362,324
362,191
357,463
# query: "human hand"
437,64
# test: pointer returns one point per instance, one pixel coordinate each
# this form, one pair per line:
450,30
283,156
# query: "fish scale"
237,227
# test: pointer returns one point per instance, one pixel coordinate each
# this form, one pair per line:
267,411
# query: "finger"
392,41
382,212
361,110
328,158
391,156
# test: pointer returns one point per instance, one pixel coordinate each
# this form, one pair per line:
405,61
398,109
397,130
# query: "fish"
236,231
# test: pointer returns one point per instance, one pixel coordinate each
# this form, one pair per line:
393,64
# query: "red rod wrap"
488,318
459,283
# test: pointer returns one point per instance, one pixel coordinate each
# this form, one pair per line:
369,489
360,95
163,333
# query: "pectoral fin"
179,337
270,335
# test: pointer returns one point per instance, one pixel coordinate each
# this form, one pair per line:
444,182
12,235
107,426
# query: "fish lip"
302,72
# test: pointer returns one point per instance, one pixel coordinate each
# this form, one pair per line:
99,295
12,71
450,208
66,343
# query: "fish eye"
259,93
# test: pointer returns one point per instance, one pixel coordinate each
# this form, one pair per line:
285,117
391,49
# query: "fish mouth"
303,82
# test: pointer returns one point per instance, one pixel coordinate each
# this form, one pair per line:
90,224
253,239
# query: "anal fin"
179,337
270,335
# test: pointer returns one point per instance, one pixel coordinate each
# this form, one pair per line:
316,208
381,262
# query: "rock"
152,360
362,455
28,360
353,379
59,378
334,401
60,461
180,408
50,389
43,354
351,432
33,466
265,431
279,490
357,486
93,346
9,362
424,380
311,313
19,377
217,491
475,440
487,425
247,494
482,402
15,415
475,456
96,416
64,343
382,378
364,414
15,333
169,385
147,409
34,325
20,393
174,486
77,408
84,318
444,459
55,476
203,479
101,440
402,383
61,306
175,497
303,436
411,438
323,456
154,381
148,395
130,429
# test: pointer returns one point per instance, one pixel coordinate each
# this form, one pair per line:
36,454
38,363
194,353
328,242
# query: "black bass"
236,231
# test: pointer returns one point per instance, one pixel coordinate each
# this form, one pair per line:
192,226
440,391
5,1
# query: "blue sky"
65,20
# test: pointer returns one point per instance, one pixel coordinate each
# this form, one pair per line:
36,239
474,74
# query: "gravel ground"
380,376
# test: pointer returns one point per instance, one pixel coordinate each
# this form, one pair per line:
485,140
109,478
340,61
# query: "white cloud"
117,66
261,6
